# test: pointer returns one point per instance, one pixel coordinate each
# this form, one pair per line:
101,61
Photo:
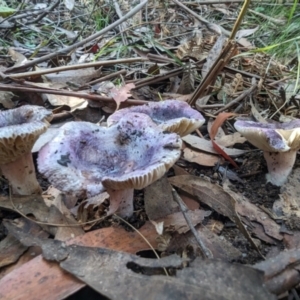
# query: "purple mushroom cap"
270,136
19,129
85,159
279,141
171,115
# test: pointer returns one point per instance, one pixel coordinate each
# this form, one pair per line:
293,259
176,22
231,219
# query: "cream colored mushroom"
279,142
19,129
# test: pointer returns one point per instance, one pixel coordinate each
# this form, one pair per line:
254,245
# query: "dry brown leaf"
35,205
202,101
292,241
245,32
55,199
213,54
73,102
41,279
179,171
230,139
208,193
91,209
177,223
158,200
204,145
10,250
74,76
17,57
258,221
221,118
281,273
187,84
289,202
219,247
201,158
5,99
213,196
256,114
245,43
121,94
178,97
251,212
31,253
220,132
117,268
49,85
189,201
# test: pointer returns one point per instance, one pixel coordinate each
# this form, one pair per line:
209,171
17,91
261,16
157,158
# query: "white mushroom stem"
121,202
21,175
280,165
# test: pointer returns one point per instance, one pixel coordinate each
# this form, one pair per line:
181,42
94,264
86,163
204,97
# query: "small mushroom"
19,129
85,159
171,115
279,142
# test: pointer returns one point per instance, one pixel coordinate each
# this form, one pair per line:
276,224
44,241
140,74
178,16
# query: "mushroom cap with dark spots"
272,137
171,115
19,129
84,158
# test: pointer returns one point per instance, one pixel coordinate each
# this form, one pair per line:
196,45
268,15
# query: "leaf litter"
243,221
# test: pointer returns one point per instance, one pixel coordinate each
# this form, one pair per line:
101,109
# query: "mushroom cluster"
171,115
19,129
279,142
85,159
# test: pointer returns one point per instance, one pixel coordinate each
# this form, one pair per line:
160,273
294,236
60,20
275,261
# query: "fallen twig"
238,99
81,43
107,77
75,67
224,31
211,76
12,88
206,252
157,78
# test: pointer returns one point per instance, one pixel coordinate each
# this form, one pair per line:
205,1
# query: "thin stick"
239,19
156,78
76,67
238,99
201,19
95,97
218,65
209,106
107,77
206,252
81,43
273,20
